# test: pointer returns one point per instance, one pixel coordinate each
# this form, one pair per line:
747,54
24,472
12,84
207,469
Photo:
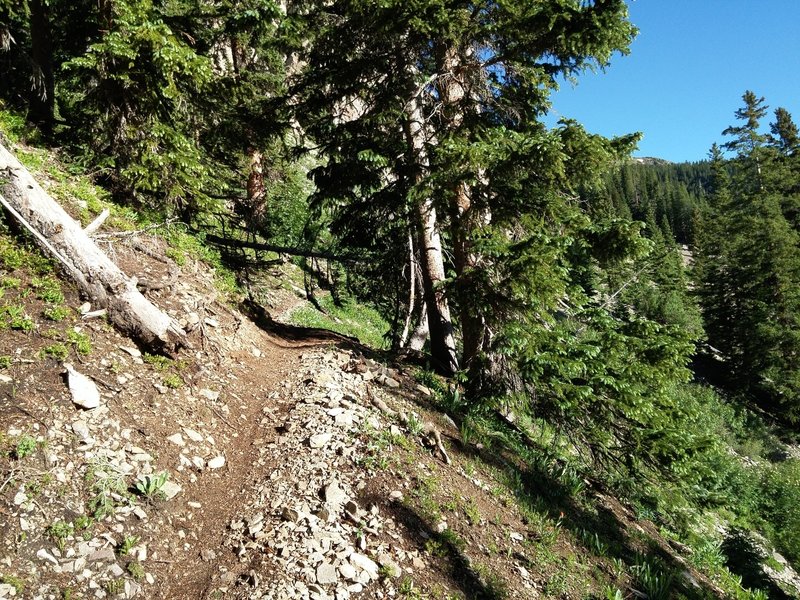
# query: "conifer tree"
749,266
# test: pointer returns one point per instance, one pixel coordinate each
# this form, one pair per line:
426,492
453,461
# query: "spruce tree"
749,267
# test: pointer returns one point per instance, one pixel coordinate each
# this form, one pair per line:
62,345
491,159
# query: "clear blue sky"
687,71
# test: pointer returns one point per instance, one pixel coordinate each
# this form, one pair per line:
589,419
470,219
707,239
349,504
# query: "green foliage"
107,488
136,570
160,363
131,92
654,580
57,351
127,544
173,381
16,582
150,486
14,316
59,531
25,446
57,313
48,289
80,341
749,261
351,318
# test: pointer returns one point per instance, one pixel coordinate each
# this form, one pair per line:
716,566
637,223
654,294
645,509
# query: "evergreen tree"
749,267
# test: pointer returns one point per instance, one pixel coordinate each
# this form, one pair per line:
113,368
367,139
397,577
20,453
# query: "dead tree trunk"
95,274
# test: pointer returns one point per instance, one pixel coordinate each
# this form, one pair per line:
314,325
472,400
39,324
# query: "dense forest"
642,312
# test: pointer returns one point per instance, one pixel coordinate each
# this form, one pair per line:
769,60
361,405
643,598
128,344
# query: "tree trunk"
94,273
440,325
465,219
412,292
43,87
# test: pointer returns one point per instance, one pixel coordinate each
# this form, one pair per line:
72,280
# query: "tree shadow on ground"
598,522
744,557
447,550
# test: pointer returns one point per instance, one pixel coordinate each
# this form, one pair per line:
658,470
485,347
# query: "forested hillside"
631,327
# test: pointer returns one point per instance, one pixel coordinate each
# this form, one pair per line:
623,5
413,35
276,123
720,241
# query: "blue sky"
687,71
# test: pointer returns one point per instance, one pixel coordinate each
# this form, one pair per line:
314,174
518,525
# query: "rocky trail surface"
253,465
266,461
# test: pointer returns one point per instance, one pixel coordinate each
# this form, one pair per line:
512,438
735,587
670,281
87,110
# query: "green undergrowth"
70,185
732,503
351,318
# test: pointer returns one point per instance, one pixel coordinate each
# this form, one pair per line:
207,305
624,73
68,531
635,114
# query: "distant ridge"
650,160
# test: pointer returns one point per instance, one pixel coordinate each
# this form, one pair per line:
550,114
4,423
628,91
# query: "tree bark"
465,218
440,325
412,292
94,273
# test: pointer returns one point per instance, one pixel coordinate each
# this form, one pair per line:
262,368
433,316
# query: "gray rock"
335,497
207,554
360,561
391,383
320,440
170,489
83,390
347,571
101,555
81,429
389,566
216,463
193,435
326,573
177,439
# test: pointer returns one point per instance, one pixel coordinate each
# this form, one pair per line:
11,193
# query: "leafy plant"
127,544
150,486
173,381
57,351
136,570
60,531
16,582
25,446
15,317
655,582
80,341
107,488
48,290
160,363
9,283
57,313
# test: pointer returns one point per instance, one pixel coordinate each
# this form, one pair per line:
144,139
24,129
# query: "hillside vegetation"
613,344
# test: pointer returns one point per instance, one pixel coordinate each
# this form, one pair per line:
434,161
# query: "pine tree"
435,102
749,267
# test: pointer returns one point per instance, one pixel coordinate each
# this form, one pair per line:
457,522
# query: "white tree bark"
94,273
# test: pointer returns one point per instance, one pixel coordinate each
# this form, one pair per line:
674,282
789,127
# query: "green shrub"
57,351
80,341
48,290
57,313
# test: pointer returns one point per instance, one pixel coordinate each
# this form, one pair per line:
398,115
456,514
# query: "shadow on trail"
295,335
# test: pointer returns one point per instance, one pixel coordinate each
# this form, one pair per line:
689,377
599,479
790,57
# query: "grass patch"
13,316
352,319
57,351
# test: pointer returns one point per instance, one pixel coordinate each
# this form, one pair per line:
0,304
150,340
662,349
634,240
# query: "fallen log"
96,275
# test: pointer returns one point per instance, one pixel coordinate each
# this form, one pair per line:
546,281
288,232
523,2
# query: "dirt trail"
189,575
